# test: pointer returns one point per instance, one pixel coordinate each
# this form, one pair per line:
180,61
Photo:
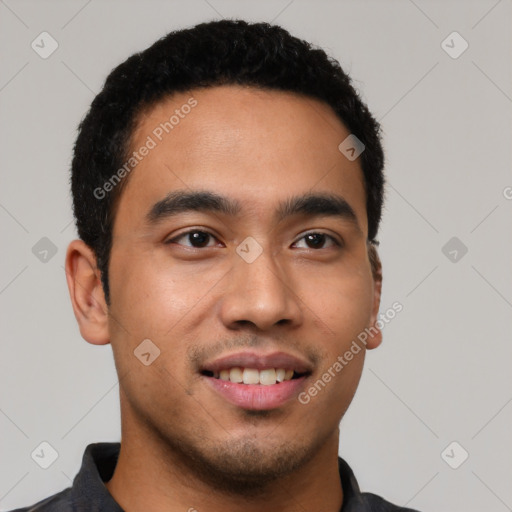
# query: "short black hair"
226,52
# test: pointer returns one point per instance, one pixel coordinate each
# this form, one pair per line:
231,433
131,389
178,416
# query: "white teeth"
266,377
235,375
251,376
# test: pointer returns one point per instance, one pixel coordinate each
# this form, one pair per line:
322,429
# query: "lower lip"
257,397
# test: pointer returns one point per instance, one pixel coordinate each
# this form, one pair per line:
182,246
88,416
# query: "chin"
244,467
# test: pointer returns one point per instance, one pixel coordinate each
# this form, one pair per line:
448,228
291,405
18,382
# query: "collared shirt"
89,493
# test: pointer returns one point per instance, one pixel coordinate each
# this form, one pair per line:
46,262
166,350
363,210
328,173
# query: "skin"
259,147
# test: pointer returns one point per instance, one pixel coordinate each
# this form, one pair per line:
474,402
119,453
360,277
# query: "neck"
150,476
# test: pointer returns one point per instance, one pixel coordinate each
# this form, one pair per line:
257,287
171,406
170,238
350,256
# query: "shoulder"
59,502
375,503
357,501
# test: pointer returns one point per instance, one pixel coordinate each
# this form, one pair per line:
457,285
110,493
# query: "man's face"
293,296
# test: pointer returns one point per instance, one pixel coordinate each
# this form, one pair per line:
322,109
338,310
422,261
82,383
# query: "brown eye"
196,238
317,240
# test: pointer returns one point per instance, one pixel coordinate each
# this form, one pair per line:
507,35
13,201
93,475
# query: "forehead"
256,146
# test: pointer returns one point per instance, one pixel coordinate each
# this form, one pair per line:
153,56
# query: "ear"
86,293
375,337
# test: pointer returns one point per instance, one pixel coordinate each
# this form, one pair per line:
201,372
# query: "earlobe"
86,293
375,338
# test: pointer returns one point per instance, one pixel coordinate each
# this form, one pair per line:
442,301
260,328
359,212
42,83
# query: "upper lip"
258,361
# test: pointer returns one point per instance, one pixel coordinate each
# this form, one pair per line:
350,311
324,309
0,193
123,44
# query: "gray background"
443,371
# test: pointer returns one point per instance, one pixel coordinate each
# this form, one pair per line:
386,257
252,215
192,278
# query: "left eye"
317,240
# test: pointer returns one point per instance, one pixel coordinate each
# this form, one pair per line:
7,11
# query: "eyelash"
185,233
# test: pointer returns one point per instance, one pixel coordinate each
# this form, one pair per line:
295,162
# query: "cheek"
150,293
343,301
354,304
156,393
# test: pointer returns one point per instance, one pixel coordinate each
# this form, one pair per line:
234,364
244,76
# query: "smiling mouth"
264,377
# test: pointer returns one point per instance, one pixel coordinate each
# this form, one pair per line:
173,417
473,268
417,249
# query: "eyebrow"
309,204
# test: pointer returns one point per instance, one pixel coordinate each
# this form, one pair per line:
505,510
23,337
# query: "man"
228,187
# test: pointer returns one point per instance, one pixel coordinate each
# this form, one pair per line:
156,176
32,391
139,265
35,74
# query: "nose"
260,294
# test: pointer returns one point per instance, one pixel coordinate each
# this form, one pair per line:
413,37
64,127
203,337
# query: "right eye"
196,238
